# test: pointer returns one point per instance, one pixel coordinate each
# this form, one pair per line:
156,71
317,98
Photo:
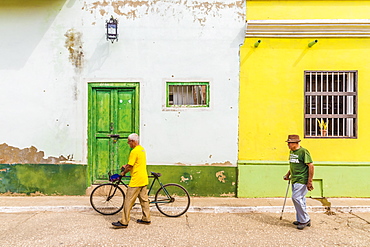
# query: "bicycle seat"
157,175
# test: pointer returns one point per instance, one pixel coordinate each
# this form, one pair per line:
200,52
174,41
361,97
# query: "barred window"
191,94
331,104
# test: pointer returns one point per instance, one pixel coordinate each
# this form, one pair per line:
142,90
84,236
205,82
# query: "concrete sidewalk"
12,204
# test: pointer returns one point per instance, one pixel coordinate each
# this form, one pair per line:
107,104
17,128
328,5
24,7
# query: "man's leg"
131,195
144,202
299,192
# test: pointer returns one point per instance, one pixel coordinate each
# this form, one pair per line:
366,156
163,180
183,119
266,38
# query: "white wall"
43,97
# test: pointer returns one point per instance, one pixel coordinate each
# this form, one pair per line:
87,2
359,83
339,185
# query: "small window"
191,94
330,104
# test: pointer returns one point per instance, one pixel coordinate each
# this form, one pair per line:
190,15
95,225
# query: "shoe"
300,226
143,222
119,225
295,223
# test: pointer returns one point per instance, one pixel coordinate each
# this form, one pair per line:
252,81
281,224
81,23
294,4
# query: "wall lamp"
257,43
312,43
112,29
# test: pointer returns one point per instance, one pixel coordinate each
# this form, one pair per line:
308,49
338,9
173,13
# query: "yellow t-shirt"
137,159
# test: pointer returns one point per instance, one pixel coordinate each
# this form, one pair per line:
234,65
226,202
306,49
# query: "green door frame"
90,132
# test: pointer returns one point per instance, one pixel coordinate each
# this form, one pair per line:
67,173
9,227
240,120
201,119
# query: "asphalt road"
88,228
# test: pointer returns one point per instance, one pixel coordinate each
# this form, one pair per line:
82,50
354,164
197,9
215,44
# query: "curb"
197,209
43,208
278,209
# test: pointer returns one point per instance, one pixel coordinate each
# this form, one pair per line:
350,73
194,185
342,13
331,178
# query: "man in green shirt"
300,173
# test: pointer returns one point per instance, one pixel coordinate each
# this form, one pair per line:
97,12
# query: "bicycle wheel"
172,200
107,199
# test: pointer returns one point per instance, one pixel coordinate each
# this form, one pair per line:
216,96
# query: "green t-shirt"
298,168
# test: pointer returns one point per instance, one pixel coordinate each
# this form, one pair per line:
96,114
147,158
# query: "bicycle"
171,199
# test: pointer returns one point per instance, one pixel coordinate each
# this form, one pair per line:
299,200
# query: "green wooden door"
113,115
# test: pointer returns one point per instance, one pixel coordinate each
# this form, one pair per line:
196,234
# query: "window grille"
187,94
331,104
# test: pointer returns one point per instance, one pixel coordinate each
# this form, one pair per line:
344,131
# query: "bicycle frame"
171,199
149,190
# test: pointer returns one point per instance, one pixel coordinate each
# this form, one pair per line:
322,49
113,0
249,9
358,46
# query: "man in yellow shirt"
138,184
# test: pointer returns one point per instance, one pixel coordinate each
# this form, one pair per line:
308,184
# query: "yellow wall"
281,10
272,80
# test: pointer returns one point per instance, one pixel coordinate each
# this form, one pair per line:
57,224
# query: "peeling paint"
185,179
74,45
220,176
200,11
227,163
228,195
13,155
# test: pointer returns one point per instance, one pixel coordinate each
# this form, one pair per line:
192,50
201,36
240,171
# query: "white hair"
133,137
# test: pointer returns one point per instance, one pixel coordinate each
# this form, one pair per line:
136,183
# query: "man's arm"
125,169
310,176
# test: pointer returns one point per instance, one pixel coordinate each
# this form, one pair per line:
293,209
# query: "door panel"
102,157
125,111
113,116
103,101
102,128
124,150
124,123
